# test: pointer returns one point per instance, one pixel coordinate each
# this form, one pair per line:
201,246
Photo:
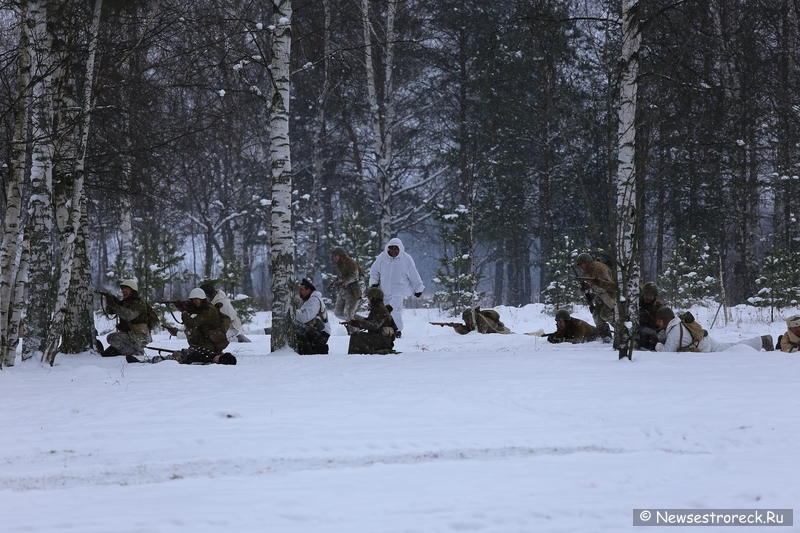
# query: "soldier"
220,300
488,321
312,328
189,356
574,330
790,341
649,304
597,280
203,323
679,334
133,333
395,272
348,285
379,327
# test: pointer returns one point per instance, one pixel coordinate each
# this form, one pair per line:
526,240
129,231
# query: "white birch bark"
74,207
40,224
18,305
628,269
11,224
382,113
281,242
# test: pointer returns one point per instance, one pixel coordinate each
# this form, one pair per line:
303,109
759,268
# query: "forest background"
155,139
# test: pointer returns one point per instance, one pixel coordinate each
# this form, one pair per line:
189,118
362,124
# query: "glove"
554,340
417,294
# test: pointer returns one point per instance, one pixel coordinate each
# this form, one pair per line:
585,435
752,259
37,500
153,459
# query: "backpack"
695,329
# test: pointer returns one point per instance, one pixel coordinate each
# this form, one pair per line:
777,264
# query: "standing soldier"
649,304
378,328
348,285
132,333
574,330
597,281
395,272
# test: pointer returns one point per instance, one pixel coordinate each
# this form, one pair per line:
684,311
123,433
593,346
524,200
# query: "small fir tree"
457,273
563,290
779,281
689,274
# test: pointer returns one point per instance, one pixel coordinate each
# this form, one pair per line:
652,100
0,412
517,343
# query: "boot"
131,359
110,352
766,343
98,345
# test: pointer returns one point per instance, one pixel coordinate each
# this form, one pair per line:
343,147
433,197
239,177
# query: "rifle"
451,324
180,305
159,350
585,289
107,295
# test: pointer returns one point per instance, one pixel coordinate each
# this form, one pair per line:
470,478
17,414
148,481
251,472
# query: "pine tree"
779,282
689,273
563,292
457,274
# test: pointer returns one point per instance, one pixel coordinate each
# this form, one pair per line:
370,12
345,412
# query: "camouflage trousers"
603,316
346,304
129,342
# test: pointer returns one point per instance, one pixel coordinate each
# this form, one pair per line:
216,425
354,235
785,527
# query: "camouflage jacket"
486,321
131,314
200,323
601,283
790,342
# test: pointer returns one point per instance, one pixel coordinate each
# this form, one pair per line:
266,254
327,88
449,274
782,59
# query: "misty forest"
240,141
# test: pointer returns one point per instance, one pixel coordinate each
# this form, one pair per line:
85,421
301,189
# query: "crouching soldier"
133,333
312,328
377,331
649,304
789,342
574,330
485,321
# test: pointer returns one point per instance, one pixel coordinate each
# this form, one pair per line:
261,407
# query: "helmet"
375,293
562,315
650,288
197,293
584,258
665,313
131,284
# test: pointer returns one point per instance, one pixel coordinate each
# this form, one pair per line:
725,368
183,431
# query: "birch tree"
9,329
627,266
40,223
281,242
72,209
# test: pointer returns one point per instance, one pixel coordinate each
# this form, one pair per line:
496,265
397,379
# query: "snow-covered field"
490,433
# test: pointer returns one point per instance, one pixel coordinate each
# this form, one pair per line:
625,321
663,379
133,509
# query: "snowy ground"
484,433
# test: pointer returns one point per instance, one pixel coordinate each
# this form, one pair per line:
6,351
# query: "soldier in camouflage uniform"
574,330
790,341
597,279
649,304
348,284
132,333
486,321
203,324
377,329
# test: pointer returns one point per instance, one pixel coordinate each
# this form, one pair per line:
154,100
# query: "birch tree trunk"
75,206
11,225
381,112
39,302
281,242
627,265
